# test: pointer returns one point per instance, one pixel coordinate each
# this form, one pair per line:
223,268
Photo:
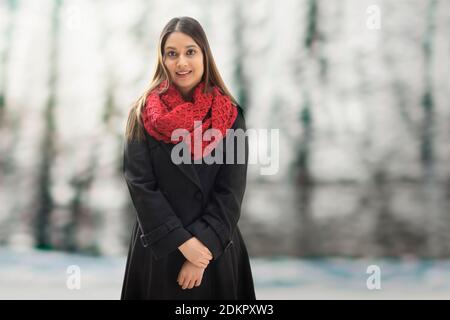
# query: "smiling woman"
184,61
186,234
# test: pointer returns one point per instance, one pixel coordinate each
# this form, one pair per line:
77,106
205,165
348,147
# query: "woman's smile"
183,74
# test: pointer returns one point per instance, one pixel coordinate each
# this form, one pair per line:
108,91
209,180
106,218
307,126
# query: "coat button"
230,243
198,195
144,241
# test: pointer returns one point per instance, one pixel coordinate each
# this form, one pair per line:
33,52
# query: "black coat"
175,202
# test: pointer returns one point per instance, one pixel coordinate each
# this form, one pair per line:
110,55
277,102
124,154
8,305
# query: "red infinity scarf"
168,111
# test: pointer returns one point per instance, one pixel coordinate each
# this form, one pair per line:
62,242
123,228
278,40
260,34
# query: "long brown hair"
211,75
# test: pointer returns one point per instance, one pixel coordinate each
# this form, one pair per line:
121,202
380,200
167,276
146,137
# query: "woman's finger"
180,279
185,283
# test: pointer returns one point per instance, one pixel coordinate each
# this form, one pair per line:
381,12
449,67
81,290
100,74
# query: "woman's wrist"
184,244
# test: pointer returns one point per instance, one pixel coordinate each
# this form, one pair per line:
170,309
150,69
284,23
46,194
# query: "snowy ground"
46,275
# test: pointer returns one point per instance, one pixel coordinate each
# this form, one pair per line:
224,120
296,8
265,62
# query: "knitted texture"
168,111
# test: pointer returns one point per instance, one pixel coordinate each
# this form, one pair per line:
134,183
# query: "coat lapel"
187,168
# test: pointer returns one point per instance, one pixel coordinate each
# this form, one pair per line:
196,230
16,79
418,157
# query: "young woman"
186,243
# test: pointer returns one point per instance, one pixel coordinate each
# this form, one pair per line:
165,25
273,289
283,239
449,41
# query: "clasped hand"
198,257
196,252
190,275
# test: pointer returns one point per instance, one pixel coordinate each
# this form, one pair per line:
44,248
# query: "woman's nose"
181,62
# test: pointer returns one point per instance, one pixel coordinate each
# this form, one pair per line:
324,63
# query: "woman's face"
183,59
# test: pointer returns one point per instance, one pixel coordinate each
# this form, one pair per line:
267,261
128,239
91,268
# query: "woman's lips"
183,74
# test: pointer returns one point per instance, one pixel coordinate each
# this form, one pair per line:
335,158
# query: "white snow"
43,275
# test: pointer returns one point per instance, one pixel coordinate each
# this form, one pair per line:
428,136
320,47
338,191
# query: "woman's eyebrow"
189,46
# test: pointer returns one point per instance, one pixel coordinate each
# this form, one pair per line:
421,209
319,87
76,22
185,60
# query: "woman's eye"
191,50
170,53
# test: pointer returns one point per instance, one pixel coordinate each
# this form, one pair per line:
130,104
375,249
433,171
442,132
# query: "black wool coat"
175,202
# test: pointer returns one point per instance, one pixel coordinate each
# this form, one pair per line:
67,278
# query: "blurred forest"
359,90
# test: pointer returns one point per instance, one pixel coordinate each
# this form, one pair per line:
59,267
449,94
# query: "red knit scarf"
168,111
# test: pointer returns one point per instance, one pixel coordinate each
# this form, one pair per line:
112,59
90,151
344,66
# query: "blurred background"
359,91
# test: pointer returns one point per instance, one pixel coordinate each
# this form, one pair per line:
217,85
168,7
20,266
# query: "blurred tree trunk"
8,35
239,74
6,149
79,210
308,238
44,201
437,229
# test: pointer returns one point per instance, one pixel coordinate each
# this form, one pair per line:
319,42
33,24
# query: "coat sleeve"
161,228
216,225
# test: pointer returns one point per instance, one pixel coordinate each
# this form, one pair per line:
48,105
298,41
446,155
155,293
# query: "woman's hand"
196,252
190,275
